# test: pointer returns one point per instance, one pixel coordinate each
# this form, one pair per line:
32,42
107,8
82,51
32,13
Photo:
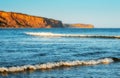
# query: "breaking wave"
56,65
48,34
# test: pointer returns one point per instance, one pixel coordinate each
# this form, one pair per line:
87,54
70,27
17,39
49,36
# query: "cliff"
19,20
79,25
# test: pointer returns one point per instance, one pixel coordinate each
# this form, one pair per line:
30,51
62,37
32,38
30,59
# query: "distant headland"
19,20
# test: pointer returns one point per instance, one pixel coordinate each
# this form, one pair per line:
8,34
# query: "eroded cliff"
19,20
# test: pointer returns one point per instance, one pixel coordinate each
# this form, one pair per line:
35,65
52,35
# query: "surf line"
45,34
47,66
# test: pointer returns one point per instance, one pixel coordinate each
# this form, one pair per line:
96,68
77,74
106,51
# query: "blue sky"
101,13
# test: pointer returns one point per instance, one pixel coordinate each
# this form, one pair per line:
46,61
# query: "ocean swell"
49,34
51,65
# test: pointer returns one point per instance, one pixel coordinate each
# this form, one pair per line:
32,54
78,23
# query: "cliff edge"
19,20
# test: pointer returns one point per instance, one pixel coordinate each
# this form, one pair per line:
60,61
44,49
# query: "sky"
100,13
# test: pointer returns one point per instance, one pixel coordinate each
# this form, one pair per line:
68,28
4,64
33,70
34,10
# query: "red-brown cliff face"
18,20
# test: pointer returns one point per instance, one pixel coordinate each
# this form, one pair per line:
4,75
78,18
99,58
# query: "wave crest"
55,65
49,34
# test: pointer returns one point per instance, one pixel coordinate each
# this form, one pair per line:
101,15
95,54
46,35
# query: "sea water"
59,53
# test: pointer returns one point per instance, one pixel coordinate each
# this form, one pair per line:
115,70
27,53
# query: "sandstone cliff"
18,20
79,25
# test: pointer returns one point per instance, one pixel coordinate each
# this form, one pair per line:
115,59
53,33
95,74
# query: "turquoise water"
18,49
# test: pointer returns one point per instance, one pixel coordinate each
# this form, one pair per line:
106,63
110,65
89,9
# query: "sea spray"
55,65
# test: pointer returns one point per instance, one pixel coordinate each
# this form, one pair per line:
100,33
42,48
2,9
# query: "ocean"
60,53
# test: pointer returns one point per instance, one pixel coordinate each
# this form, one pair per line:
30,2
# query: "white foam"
43,34
54,65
